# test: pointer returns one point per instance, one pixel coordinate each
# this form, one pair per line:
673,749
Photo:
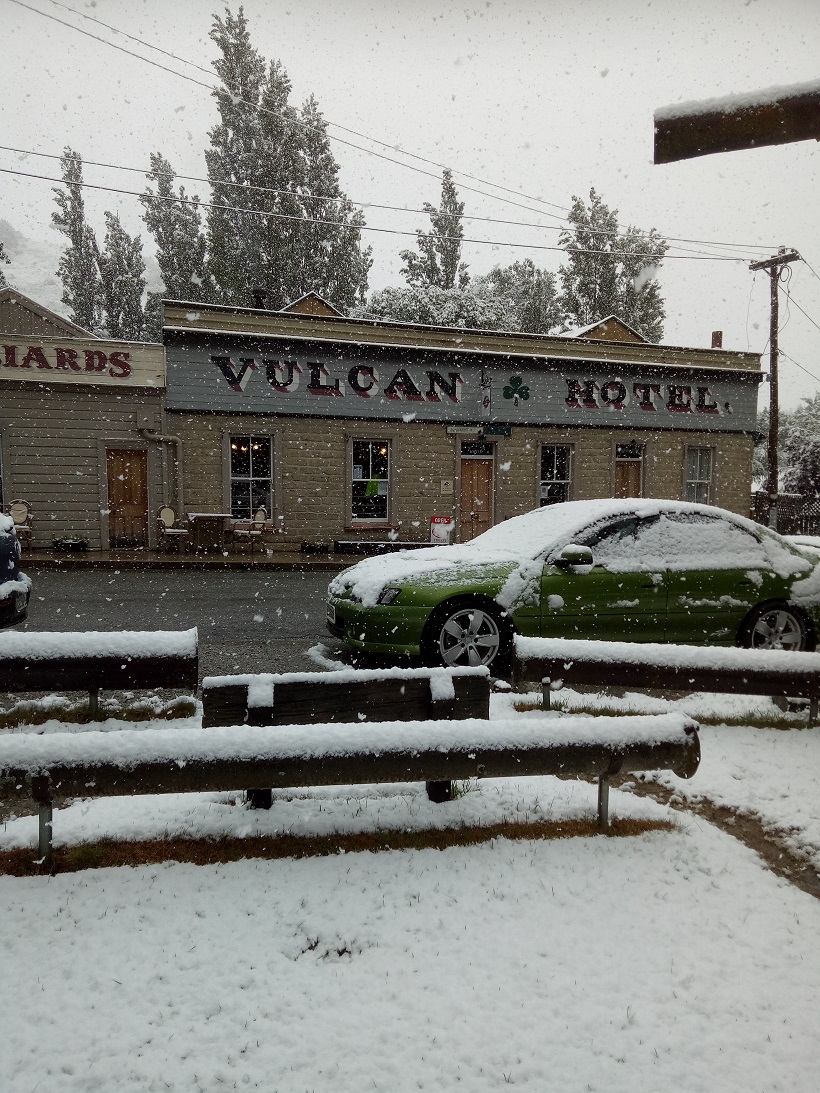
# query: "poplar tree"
330,258
235,237
122,279
78,269
272,163
607,273
437,262
4,260
176,226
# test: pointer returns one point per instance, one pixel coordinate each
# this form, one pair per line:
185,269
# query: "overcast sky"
542,97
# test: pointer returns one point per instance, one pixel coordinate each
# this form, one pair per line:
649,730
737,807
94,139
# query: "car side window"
613,543
699,541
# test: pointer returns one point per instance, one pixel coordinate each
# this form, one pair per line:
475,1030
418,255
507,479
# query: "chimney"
260,296
717,339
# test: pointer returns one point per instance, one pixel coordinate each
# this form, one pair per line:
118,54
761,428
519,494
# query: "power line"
336,125
214,88
361,204
356,227
799,308
256,106
800,366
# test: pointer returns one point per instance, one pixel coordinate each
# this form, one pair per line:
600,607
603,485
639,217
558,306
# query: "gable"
610,329
24,317
311,304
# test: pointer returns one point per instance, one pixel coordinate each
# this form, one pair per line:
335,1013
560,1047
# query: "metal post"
94,704
812,711
603,803
44,847
41,794
545,692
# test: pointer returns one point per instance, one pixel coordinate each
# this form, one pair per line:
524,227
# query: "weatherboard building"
351,430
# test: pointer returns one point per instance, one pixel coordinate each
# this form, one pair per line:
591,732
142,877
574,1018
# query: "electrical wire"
336,125
799,308
362,227
303,125
361,204
782,353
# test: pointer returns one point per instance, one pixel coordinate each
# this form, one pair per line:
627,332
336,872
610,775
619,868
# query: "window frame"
709,481
271,435
568,482
374,436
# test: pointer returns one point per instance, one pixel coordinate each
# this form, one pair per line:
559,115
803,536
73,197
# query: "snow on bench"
97,764
95,660
674,667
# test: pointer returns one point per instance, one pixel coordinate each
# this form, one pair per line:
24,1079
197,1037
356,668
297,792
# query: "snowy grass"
54,712
669,960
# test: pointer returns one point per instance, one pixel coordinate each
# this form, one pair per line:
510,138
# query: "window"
556,473
698,475
251,464
628,470
370,479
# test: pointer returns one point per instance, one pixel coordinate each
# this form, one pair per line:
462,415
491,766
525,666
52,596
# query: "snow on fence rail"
96,764
674,667
93,661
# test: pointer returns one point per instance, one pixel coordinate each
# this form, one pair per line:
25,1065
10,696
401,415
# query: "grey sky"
546,98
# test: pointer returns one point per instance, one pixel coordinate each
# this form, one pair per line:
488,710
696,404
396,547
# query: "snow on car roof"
522,540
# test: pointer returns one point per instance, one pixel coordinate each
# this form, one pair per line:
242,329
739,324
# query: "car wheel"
465,634
777,626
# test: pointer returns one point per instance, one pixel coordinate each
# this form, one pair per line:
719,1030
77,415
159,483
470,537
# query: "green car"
616,570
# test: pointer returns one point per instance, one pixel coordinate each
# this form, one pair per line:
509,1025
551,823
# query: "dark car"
15,586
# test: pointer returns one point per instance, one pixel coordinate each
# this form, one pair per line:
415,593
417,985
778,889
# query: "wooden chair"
20,512
171,532
251,532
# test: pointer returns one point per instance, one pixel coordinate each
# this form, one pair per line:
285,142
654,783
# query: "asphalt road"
262,621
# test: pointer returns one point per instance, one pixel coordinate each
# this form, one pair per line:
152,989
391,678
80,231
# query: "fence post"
603,803
40,793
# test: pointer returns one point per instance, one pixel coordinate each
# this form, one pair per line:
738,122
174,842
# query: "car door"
717,571
621,597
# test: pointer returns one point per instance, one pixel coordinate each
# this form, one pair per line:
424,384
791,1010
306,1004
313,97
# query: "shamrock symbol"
516,389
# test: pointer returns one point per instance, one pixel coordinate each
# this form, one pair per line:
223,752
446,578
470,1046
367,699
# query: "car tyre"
468,633
777,626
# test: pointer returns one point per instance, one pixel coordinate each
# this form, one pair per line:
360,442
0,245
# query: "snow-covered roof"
582,331
728,104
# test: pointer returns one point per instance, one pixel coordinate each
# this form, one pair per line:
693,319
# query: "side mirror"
573,555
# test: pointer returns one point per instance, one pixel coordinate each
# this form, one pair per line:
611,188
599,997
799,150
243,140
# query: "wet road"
248,621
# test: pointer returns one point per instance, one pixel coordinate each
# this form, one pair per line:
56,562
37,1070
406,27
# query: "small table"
208,530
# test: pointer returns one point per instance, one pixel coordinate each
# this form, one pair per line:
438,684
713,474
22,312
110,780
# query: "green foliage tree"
430,305
607,273
176,225
79,268
5,260
437,262
799,435
527,295
122,278
267,157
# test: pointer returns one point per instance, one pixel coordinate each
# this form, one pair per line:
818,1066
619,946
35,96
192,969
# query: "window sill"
366,525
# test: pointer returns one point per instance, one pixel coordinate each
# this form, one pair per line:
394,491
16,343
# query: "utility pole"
773,265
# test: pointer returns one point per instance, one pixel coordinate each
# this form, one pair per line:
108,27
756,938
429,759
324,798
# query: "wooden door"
127,497
476,497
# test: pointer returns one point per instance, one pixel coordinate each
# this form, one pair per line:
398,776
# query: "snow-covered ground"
673,960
